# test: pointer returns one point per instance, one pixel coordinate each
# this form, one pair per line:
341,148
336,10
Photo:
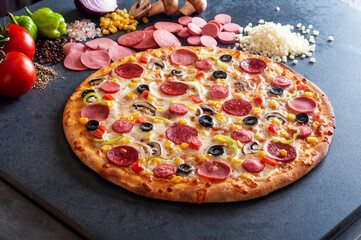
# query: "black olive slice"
146,127
142,88
208,109
250,120
159,65
276,90
219,74
225,58
96,81
302,118
177,72
83,94
92,125
216,150
206,121
185,168
240,86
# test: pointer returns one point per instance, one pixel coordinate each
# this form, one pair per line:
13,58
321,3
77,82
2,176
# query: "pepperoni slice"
148,41
223,18
178,108
205,64
180,133
218,91
274,149
242,135
97,112
302,104
214,170
183,57
174,88
117,52
122,126
131,39
253,65
129,70
110,87
253,165
166,39
164,171
282,81
210,29
238,107
305,131
168,26
123,156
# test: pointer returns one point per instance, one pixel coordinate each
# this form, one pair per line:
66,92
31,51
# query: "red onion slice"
96,6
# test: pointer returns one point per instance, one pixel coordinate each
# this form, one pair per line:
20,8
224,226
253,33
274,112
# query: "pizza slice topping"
97,112
214,170
123,156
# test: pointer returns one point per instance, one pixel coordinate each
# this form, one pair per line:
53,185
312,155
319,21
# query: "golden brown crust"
196,190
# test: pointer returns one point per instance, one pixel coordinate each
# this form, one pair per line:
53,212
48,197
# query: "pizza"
197,124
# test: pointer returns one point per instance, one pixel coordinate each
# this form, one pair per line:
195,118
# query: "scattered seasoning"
43,76
50,51
82,30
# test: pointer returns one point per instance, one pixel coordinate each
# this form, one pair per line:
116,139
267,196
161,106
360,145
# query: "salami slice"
194,29
242,135
100,44
95,59
150,28
117,52
72,62
110,87
305,131
183,33
205,64
274,149
129,70
302,104
253,65
214,170
194,41
208,41
200,22
218,91
178,108
227,37
210,29
220,27
131,39
122,126
180,133
165,38
168,26
123,156
148,42
183,57
98,112
73,47
231,27
281,81
223,18
253,165
184,20
164,171
174,88
238,107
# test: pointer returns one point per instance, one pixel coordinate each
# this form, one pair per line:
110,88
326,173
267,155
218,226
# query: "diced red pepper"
99,132
274,128
303,87
145,94
318,116
138,167
109,97
195,98
200,74
269,161
195,143
258,99
141,119
256,79
145,57
158,76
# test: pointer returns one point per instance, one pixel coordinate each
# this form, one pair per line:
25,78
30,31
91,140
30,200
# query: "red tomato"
195,143
20,41
17,74
137,167
274,128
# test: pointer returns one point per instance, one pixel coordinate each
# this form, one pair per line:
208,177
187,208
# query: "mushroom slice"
145,106
208,109
140,8
153,62
242,85
156,148
251,147
97,81
276,114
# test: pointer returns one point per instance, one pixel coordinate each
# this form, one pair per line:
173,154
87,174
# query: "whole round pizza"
198,124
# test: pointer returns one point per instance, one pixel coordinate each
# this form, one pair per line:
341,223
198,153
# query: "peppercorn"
50,51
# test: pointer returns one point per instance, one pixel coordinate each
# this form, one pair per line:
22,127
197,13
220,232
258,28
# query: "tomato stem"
2,56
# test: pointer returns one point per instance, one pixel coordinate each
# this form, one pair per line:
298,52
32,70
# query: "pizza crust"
196,190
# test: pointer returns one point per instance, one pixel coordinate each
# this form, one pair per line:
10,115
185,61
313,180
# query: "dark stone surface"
36,157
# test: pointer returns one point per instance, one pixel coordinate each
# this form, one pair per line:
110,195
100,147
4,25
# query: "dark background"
13,5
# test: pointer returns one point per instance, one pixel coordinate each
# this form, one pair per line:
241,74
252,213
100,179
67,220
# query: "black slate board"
35,156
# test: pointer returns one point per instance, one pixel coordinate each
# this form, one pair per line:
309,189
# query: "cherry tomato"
17,74
20,41
274,128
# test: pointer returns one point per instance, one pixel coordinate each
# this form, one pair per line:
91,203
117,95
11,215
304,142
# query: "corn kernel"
212,103
159,108
291,117
109,103
283,152
83,120
183,121
132,59
260,91
178,160
239,144
247,175
133,84
145,20
203,132
276,120
126,140
219,114
256,110
240,120
273,103
218,105
221,119
177,179
311,140
130,118
262,154
147,172
234,127
202,157
269,77
284,133
120,26
132,28
175,101
149,135
308,94
156,161
315,124
112,29
157,53
221,140
209,155
184,145
105,31
150,99
136,115
237,161
90,88
258,136
105,148
191,107
131,95
157,120
122,117
168,144
175,149
142,160
235,73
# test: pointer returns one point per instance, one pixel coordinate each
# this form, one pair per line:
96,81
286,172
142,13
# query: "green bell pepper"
25,22
49,23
